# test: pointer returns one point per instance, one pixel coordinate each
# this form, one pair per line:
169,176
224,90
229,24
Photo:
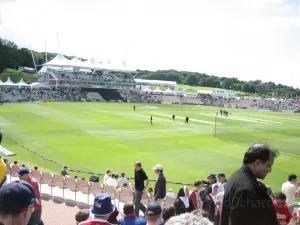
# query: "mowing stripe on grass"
230,118
191,119
275,117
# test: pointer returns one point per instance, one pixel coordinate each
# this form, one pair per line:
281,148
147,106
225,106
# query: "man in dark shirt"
186,120
173,117
64,171
160,185
246,200
139,187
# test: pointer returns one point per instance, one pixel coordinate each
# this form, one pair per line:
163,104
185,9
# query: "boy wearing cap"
160,185
17,201
153,214
101,209
222,181
37,213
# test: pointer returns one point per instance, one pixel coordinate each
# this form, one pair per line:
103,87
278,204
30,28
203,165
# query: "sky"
247,39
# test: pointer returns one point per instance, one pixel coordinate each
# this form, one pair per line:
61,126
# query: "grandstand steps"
107,94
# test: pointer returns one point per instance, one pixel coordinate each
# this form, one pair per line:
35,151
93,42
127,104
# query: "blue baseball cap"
102,205
153,209
212,176
23,171
16,196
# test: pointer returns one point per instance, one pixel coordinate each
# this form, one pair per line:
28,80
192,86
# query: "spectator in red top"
37,213
101,209
195,195
284,215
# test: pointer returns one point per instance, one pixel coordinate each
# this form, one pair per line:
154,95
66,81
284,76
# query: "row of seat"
76,186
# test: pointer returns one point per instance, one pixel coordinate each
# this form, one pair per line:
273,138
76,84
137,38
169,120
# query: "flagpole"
58,43
33,59
46,51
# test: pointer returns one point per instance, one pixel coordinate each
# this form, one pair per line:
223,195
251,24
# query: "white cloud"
255,39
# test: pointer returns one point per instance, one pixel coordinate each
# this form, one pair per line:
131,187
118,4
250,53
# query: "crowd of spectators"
240,200
138,96
60,94
277,104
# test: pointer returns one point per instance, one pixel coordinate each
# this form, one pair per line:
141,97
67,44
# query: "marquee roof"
162,82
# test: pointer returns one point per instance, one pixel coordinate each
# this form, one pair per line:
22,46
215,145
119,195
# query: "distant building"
226,94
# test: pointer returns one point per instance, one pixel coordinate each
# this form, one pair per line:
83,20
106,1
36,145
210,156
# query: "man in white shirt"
170,193
123,180
289,188
106,176
112,181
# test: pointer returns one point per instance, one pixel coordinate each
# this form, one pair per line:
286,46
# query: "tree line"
13,57
267,89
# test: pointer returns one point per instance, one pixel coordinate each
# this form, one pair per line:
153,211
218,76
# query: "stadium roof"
61,61
157,82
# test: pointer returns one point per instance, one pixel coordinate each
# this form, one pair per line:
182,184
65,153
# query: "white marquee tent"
168,91
22,83
9,82
59,60
38,85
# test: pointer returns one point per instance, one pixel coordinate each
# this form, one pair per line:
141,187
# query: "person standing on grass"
37,212
187,120
173,117
160,185
289,188
151,120
134,108
246,200
283,212
139,187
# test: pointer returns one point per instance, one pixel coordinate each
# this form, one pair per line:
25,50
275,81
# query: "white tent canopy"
156,82
38,85
59,60
1,83
22,83
168,91
147,89
157,90
9,82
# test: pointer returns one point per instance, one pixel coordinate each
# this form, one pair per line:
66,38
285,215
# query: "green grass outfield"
100,136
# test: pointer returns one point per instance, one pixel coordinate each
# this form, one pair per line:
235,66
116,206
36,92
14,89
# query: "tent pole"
33,59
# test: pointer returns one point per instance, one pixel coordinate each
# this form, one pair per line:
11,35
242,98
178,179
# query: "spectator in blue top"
130,217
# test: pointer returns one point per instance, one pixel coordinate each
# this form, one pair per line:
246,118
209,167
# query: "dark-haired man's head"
113,175
128,208
82,215
16,162
108,172
137,165
260,158
65,168
116,177
292,178
168,212
221,177
122,174
36,168
197,185
153,213
280,199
